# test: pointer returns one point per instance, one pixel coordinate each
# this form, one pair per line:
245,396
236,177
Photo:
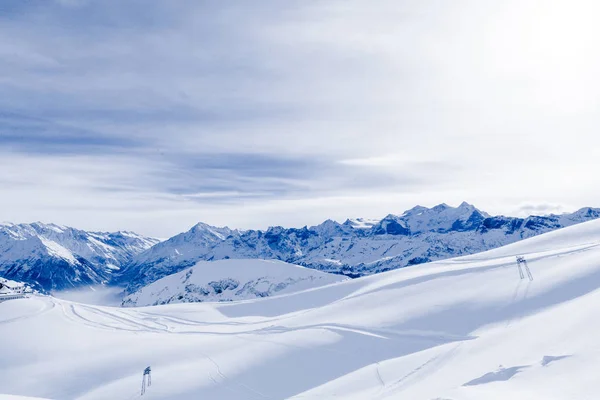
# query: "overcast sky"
154,115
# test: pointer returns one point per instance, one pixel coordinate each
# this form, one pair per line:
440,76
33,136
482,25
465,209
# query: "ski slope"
459,329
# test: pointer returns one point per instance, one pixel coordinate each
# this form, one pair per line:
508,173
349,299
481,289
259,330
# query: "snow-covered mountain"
228,280
53,257
353,248
465,328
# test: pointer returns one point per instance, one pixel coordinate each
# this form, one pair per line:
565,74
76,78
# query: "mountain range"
52,257
353,248
464,328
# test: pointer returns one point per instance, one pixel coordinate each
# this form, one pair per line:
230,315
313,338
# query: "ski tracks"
377,365
245,389
105,320
49,304
419,373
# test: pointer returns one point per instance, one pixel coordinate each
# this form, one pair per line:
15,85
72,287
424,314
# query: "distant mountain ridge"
353,248
54,257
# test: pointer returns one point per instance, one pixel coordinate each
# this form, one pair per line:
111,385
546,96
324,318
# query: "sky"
154,115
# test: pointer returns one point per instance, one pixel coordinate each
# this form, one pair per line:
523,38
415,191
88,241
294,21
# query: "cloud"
124,114
528,209
36,135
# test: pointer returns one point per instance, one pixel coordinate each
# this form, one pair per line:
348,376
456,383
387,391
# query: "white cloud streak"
334,108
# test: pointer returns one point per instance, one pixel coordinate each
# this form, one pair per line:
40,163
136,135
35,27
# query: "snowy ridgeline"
54,257
51,257
354,248
229,280
462,329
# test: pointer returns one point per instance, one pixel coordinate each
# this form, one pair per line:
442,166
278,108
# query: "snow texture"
466,328
229,280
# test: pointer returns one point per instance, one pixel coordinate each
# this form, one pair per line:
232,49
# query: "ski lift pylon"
147,372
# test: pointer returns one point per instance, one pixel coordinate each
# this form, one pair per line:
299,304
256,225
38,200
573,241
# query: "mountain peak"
442,218
441,207
416,210
583,214
53,227
203,231
202,226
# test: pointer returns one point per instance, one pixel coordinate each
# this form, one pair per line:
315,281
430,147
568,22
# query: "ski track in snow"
47,306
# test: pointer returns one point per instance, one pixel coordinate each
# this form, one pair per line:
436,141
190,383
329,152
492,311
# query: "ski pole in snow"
522,262
146,373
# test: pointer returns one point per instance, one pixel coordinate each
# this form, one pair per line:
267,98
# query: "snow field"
459,329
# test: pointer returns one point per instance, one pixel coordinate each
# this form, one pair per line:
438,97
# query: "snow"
53,257
57,250
361,223
228,280
463,329
56,228
354,248
438,218
50,256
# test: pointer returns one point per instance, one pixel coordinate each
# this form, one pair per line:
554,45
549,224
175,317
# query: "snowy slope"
354,248
228,280
51,257
463,329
